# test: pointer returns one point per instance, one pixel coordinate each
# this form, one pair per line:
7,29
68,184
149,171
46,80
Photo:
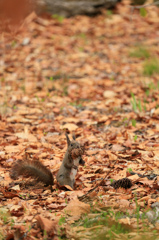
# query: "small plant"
65,91
38,99
58,18
62,220
151,67
133,102
111,180
133,122
144,106
137,213
45,234
75,104
1,235
104,224
129,170
82,35
136,105
5,219
23,88
4,216
140,52
2,79
109,13
81,49
55,77
135,138
12,223
13,43
51,78
125,121
147,92
143,12
152,86
139,105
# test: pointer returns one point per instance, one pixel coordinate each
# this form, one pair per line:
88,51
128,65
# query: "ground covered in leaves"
96,77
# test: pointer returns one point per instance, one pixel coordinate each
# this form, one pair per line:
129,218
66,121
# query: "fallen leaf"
109,94
77,208
45,224
69,126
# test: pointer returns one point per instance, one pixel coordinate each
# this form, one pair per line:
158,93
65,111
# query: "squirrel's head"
72,144
75,149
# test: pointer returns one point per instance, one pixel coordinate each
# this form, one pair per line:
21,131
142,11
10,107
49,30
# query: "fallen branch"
83,197
146,5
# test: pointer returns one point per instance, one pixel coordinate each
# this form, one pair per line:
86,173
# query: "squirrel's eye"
71,144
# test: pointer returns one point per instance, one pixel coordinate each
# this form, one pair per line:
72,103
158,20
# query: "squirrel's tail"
34,169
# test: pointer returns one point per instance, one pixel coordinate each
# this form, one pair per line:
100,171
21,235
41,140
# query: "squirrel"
72,159
67,171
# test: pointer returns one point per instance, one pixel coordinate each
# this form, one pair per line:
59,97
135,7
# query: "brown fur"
34,169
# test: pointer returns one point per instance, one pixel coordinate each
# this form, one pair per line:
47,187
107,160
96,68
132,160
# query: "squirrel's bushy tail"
34,169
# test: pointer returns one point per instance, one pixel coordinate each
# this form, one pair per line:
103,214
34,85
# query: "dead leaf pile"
79,75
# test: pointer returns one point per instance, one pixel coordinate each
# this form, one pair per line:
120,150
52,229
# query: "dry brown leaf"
45,224
69,126
125,221
109,94
77,208
12,149
25,135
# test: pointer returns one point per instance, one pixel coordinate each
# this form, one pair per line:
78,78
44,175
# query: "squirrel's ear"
73,136
68,140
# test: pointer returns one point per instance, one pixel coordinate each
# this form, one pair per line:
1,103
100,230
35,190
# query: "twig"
26,233
146,5
91,190
141,6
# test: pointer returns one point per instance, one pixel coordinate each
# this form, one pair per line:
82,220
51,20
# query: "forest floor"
99,78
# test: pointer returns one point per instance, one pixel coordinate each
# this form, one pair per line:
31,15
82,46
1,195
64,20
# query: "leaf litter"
78,75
